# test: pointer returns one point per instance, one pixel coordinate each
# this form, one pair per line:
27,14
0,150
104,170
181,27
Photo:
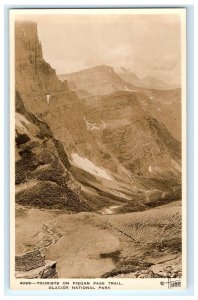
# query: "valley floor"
91,245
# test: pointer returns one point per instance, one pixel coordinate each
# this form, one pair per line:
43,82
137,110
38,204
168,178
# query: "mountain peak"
97,80
101,68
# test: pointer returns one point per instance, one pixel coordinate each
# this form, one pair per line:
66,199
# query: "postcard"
98,149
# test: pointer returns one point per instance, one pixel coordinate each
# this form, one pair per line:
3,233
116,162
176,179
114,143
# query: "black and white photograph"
98,139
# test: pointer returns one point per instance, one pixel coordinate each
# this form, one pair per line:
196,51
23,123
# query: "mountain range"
146,82
111,143
162,103
97,169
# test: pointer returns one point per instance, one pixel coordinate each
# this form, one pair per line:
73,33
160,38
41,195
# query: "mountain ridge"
101,79
85,128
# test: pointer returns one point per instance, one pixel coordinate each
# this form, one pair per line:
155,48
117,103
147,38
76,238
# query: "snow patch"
154,99
25,186
24,33
126,88
89,166
94,126
89,125
48,98
104,124
20,121
22,118
109,210
119,193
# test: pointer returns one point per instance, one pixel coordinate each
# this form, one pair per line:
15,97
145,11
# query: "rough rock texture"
113,131
156,271
47,271
40,78
50,99
42,167
117,244
29,261
33,265
158,99
141,143
150,241
165,106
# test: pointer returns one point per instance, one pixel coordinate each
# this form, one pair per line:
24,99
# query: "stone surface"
48,270
28,261
33,265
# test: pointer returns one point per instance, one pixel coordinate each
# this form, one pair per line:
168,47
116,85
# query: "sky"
148,45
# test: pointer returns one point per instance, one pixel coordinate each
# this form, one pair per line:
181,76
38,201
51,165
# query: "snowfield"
20,121
89,166
48,98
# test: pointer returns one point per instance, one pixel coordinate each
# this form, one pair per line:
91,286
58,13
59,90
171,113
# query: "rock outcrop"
105,154
158,99
142,144
42,173
112,133
33,265
50,99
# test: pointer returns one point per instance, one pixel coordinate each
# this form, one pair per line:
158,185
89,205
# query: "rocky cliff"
42,93
141,143
81,154
50,128
33,265
82,165
161,101
35,79
42,167
48,98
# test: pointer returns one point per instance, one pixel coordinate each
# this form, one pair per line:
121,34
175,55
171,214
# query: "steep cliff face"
40,90
33,265
52,131
83,154
79,160
164,106
160,100
35,79
42,167
50,99
141,143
